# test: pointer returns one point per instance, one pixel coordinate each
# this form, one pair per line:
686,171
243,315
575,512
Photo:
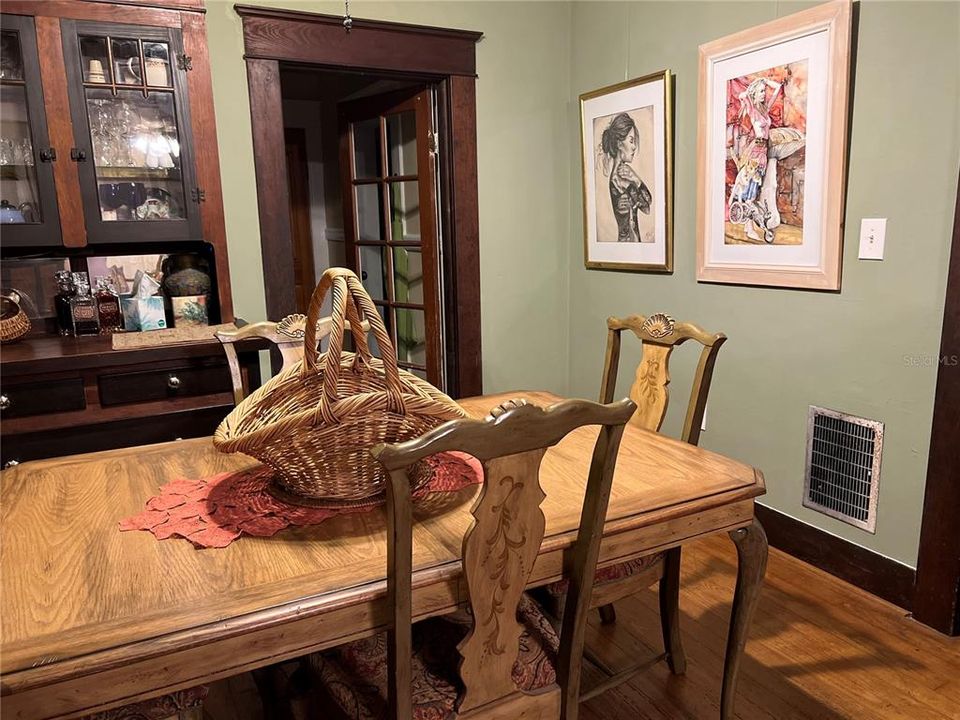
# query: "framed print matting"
771,151
626,146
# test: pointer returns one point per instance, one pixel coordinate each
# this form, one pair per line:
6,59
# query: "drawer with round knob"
158,384
52,396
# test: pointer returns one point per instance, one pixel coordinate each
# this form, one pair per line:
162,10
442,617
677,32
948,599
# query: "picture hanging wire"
347,20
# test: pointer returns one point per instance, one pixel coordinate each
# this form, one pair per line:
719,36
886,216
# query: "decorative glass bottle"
83,308
108,307
65,290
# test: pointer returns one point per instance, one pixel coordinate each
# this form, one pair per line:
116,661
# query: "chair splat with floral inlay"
507,668
659,334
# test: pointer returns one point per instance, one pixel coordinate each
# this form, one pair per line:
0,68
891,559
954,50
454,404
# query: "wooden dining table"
93,618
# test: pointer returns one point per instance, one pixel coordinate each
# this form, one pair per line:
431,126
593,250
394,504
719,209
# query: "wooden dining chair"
287,335
273,681
659,334
481,662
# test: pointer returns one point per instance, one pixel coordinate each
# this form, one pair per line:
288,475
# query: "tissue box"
143,313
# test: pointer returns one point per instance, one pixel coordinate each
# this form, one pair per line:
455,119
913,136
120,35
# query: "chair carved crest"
498,555
659,334
287,335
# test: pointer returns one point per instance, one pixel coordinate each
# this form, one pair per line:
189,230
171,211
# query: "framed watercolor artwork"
771,154
627,146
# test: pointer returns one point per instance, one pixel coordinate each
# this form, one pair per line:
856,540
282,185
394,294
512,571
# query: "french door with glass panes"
388,173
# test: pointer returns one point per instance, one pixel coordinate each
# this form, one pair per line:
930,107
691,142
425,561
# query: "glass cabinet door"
128,98
28,207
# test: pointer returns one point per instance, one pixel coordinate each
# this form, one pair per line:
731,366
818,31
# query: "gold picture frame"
772,151
626,149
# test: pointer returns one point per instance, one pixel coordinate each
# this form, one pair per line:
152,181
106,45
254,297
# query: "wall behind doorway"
319,123
523,167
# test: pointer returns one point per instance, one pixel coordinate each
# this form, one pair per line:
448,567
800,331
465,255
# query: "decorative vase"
186,274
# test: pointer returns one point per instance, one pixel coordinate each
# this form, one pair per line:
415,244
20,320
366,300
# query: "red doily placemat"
214,511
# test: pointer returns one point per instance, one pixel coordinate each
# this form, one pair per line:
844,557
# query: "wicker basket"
14,323
316,421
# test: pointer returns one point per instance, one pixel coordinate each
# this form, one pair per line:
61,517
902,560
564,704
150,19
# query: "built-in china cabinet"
107,148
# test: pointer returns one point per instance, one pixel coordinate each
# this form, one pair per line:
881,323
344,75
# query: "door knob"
173,382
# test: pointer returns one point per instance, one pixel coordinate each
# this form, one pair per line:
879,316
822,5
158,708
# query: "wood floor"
819,649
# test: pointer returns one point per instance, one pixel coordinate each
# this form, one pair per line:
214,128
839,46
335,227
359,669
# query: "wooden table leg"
751,545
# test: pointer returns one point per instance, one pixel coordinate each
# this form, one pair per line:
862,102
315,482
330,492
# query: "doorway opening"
362,175
401,102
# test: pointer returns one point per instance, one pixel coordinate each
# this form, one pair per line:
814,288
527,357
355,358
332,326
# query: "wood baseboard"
867,570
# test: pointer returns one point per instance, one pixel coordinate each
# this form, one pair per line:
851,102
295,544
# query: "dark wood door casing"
270,169
936,599
449,58
295,140
320,39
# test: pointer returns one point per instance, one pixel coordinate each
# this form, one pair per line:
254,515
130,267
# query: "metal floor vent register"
843,466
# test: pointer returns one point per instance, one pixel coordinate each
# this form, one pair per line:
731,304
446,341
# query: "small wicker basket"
316,421
14,323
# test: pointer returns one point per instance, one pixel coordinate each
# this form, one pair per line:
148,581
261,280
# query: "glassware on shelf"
95,60
6,151
108,307
11,59
126,61
156,58
65,291
136,154
83,307
19,189
10,214
23,152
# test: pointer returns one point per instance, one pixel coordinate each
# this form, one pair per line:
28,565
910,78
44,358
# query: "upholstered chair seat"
611,573
354,676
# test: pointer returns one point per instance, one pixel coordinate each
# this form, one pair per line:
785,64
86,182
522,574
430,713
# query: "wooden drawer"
93,437
51,396
157,384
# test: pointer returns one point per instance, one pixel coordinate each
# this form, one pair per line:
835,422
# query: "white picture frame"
771,152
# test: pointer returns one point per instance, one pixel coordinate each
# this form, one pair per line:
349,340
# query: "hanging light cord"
347,20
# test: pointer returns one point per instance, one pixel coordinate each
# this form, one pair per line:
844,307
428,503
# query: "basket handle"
350,303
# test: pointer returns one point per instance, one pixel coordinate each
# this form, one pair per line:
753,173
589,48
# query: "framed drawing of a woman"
772,151
627,175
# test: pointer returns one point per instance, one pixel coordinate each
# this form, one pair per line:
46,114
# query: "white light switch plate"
872,234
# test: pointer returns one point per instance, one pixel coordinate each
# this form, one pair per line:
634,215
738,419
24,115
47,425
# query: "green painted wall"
864,351
524,166
852,351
